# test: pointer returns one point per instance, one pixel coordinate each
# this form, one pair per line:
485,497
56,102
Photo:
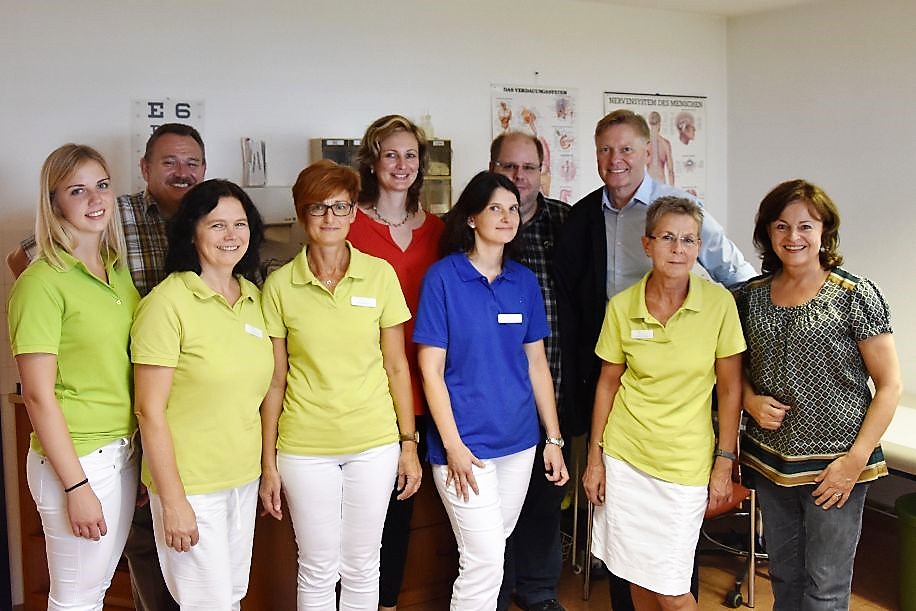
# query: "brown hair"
458,236
497,145
371,148
818,202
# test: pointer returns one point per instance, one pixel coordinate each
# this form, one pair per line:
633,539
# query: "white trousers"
81,569
482,525
213,575
338,506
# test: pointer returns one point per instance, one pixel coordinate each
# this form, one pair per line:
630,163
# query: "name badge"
252,330
363,302
641,334
509,319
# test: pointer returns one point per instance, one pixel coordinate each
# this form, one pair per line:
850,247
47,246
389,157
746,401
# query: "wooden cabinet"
432,561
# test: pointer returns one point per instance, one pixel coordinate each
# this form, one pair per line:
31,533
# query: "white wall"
290,71
826,92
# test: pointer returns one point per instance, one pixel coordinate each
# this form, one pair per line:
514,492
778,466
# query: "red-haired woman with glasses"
340,398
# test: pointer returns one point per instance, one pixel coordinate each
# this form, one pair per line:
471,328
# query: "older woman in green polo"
654,464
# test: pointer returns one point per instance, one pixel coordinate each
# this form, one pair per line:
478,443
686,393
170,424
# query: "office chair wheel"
733,599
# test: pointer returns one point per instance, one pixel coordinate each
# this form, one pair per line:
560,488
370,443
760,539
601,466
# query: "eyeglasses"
514,167
669,239
336,208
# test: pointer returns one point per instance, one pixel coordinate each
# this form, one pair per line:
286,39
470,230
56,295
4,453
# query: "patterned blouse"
807,357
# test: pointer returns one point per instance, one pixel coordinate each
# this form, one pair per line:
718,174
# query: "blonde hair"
52,232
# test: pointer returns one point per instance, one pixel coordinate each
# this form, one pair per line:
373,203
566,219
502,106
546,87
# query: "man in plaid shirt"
174,162
533,554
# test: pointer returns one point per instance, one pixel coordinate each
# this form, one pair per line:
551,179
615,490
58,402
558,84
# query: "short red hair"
320,181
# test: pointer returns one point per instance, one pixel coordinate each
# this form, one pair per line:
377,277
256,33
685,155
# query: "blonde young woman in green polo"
69,322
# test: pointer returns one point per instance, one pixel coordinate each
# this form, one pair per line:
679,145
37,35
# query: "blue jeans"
811,550
534,555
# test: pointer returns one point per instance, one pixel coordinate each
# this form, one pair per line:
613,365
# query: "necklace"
328,282
329,279
386,221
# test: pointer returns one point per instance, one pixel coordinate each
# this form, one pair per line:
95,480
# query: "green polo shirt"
661,422
223,363
337,399
86,323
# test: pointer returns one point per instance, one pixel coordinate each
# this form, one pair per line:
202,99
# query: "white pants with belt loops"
338,506
483,523
81,569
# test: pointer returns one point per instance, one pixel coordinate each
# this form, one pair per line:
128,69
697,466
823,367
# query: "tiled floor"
874,584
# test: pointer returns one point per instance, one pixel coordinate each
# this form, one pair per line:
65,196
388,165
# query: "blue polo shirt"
483,328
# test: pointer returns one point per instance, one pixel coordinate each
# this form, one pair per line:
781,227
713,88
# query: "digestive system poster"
549,114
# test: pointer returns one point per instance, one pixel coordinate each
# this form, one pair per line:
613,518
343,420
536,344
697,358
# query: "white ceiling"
725,8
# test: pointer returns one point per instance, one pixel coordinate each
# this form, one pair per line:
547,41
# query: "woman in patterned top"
815,334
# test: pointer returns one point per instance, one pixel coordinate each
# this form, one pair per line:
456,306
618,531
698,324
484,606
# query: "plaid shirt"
540,235
145,236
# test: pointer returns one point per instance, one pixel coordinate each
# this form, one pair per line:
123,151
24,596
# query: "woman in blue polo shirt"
480,327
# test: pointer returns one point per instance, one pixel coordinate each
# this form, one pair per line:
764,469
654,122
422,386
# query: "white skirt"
647,529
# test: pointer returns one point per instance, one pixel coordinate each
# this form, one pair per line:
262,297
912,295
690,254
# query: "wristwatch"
725,454
556,441
414,437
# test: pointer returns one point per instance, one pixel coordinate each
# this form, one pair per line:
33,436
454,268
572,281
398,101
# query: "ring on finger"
838,495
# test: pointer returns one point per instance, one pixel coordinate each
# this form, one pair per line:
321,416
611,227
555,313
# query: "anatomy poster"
677,133
550,115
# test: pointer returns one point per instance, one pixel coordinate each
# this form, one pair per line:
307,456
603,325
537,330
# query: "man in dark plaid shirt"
533,553
173,163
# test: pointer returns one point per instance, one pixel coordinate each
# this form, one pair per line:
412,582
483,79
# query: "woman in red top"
391,224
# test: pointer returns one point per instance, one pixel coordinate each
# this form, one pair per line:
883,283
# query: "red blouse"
410,265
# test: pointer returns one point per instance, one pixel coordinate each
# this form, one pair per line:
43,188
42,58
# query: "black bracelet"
77,485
